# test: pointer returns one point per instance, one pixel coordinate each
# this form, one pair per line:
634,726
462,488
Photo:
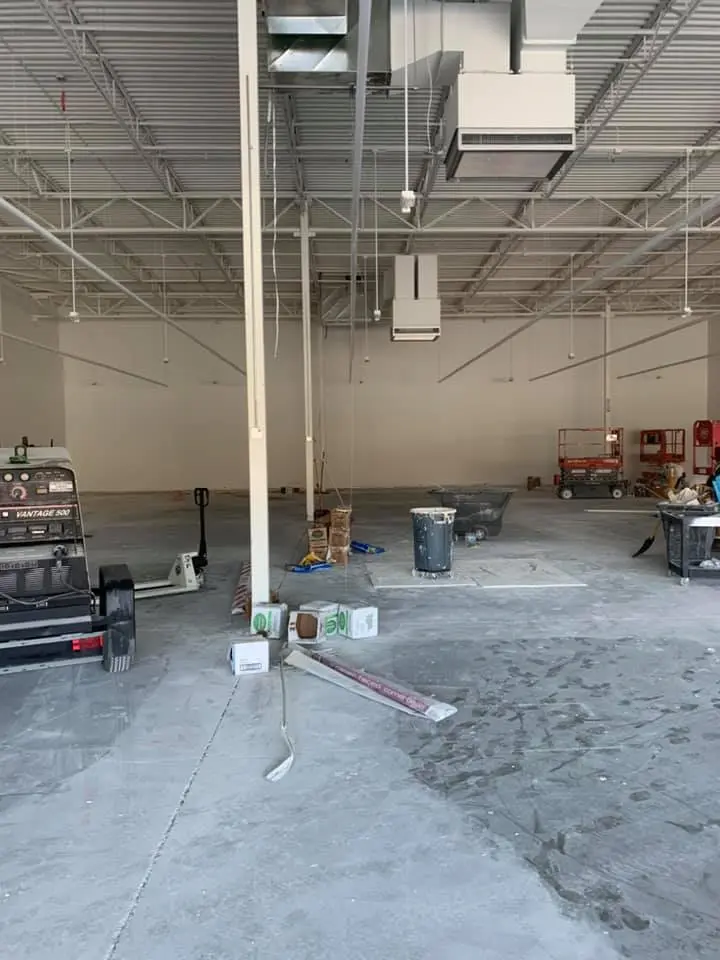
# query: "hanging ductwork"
519,122
412,285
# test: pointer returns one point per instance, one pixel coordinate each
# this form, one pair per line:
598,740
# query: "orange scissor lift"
590,460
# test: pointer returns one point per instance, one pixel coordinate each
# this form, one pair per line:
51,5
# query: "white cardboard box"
357,621
249,656
313,622
269,619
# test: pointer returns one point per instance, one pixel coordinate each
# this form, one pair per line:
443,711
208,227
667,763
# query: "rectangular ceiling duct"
307,17
303,48
509,125
415,305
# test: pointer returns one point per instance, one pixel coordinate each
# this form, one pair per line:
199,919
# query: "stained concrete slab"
471,567
569,809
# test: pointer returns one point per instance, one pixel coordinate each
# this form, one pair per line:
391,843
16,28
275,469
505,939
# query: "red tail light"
88,643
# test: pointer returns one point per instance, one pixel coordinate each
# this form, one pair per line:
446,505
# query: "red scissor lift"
706,447
661,451
589,459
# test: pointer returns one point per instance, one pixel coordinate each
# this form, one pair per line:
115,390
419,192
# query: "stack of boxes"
339,535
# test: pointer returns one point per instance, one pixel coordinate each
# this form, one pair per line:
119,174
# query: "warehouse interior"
338,254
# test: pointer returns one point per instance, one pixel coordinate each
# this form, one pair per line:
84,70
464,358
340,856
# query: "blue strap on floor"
357,546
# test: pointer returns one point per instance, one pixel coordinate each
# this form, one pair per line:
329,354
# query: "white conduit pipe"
74,356
56,242
701,213
667,366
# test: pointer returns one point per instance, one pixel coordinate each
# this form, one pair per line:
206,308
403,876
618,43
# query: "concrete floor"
568,811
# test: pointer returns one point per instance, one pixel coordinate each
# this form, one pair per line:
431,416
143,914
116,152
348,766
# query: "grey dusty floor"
569,811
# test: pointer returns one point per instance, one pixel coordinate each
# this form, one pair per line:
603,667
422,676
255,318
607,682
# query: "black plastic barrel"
433,538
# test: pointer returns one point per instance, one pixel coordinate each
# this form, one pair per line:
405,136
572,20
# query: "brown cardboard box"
341,518
318,542
339,538
340,555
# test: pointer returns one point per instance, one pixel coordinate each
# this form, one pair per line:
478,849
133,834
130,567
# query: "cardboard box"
340,555
357,621
339,538
313,622
269,619
318,542
341,518
249,656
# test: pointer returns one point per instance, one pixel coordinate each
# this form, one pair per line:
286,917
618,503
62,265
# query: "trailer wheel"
566,493
617,493
117,606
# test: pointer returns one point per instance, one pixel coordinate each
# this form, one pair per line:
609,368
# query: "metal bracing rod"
124,111
74,356
667,366
628,346
636,78
653,243
94,268
363,50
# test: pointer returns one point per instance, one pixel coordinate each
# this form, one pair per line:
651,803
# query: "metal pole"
94,268
681,328
700,214
73,356
607,411
307,363
253,291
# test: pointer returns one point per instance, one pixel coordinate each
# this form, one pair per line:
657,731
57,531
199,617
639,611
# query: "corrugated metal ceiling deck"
175,61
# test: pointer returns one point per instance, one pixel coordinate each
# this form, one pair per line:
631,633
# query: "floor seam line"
165,836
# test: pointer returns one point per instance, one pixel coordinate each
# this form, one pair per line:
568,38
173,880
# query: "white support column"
253,288
307,362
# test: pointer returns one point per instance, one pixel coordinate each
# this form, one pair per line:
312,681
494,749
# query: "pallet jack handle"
201,495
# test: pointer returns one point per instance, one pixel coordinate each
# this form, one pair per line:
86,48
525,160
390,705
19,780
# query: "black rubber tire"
566,493
481,533
617,493
117,606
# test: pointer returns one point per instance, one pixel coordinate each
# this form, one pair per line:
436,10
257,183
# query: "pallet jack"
187,574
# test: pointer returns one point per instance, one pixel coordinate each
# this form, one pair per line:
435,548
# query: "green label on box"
342,621
260,623
331,626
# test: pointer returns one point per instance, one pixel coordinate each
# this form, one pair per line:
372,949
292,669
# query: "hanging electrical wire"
273,136
687,309
376,234
407,196
571,344
2,339
74,315
165,357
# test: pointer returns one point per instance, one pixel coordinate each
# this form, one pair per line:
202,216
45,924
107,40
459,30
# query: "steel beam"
253,294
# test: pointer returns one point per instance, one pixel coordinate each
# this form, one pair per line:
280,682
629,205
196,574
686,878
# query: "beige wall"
395,426
713,369
32,399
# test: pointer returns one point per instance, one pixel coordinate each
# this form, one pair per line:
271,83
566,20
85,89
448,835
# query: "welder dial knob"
60,551
24,477
18,493
8,478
